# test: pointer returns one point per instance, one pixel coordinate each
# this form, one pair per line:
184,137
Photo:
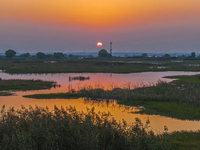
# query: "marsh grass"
18,84
184,140
170,109
161,91
157,99
156,92
38,128
185,79
33,65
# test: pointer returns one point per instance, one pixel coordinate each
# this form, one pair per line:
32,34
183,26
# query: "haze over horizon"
74,26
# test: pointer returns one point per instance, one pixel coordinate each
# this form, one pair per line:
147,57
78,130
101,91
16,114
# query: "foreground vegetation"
38,128
68,129
18,84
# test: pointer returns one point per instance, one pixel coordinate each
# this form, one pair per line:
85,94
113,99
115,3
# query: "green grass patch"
171,109
186,79
184,140
18,85
55,95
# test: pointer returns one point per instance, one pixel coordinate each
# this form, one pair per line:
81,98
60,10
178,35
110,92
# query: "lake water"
99,80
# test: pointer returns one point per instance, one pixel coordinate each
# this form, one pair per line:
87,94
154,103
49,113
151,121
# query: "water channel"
99,80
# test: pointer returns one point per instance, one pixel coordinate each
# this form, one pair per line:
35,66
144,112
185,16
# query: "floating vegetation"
80,78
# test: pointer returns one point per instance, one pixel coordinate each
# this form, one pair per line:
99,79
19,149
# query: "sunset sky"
74,25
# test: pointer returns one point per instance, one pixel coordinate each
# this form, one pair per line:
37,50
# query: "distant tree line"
101,54
25,55
167,56
40,55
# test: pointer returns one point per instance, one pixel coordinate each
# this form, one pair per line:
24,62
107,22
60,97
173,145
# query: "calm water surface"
99,80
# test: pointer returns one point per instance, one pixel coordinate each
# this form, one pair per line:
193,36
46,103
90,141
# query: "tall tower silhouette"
111,47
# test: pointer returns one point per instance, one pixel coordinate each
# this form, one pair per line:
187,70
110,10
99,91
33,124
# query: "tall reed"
38,128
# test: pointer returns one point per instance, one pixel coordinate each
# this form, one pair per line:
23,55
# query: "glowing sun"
99,44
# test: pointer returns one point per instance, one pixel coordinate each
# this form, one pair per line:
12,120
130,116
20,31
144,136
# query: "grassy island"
55,95
23,85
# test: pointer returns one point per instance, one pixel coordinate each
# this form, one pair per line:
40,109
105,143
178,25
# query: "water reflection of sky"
104,80
119,112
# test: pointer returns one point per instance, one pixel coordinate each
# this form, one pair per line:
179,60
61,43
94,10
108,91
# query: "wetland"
165,104
148,89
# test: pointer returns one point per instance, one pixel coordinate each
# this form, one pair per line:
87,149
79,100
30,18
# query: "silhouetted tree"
10,53
144,55
167,55
71,56
58,55
104,53
182,57
193,54
25,55
40,55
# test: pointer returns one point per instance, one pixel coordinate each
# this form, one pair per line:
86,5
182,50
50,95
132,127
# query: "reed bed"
38,128
166,99
159,92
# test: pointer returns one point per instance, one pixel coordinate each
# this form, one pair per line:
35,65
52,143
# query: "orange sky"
101,15
97,13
